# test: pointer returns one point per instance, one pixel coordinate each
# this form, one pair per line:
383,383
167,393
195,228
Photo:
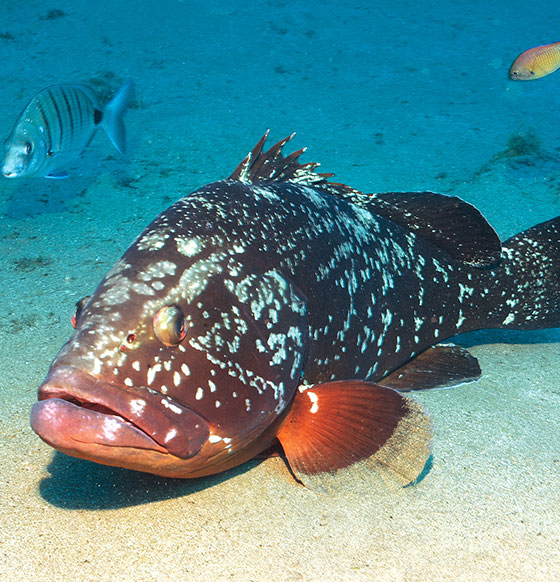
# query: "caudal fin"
528,279
113,115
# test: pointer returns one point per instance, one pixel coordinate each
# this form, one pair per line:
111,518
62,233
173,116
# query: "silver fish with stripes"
57,125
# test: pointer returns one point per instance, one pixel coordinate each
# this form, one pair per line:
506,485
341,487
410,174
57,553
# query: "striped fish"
57,125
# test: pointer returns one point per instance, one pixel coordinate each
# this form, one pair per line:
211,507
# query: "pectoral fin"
355,425
58,175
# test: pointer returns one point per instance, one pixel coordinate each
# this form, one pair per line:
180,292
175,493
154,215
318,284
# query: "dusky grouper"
277,306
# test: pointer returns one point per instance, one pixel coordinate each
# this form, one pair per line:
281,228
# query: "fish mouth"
88,418
10,170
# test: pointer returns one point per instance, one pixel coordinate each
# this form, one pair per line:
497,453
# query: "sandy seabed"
406,96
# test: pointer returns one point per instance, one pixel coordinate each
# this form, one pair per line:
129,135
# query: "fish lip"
76,430
141,417
50,393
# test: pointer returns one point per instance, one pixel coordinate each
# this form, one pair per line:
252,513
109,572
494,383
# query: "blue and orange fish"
278,307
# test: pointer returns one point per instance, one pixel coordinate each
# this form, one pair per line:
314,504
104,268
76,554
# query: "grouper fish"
279,308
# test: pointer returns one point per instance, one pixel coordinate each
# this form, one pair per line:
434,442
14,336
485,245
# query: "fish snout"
12,165
521,74
104,417
8,170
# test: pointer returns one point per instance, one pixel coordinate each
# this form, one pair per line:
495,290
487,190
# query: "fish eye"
169,325
28,148
78,311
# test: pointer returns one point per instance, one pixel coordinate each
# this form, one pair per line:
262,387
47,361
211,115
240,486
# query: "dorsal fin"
448,222
260,167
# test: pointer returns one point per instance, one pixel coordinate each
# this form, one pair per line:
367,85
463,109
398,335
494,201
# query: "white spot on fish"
509,319
173,407
96,370
110,427
314,402
188,247
137,406
142,289
154,240
152,372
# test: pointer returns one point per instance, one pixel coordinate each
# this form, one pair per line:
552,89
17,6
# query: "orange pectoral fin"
355,425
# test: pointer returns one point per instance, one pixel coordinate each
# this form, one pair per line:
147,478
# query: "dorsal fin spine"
260,167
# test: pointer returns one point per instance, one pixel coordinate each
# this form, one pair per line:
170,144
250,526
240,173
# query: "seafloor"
397,95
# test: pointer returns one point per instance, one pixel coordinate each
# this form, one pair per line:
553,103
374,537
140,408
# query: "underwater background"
390,96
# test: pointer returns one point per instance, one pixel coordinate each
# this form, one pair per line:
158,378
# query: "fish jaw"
138,429
15,161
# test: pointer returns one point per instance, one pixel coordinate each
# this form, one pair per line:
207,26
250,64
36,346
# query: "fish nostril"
130,339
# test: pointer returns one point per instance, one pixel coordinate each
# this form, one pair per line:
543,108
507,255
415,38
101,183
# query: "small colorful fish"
277,306
57,125
536,62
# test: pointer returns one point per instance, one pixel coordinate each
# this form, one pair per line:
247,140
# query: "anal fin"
358,426
441,366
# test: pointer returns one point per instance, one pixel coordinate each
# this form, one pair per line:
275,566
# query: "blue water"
399,95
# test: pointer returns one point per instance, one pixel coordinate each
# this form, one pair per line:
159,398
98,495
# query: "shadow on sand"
79,484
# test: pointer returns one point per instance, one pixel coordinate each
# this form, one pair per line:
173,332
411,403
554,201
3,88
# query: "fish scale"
262,306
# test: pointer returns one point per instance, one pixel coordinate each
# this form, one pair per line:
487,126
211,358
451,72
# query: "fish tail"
529,280
113,113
